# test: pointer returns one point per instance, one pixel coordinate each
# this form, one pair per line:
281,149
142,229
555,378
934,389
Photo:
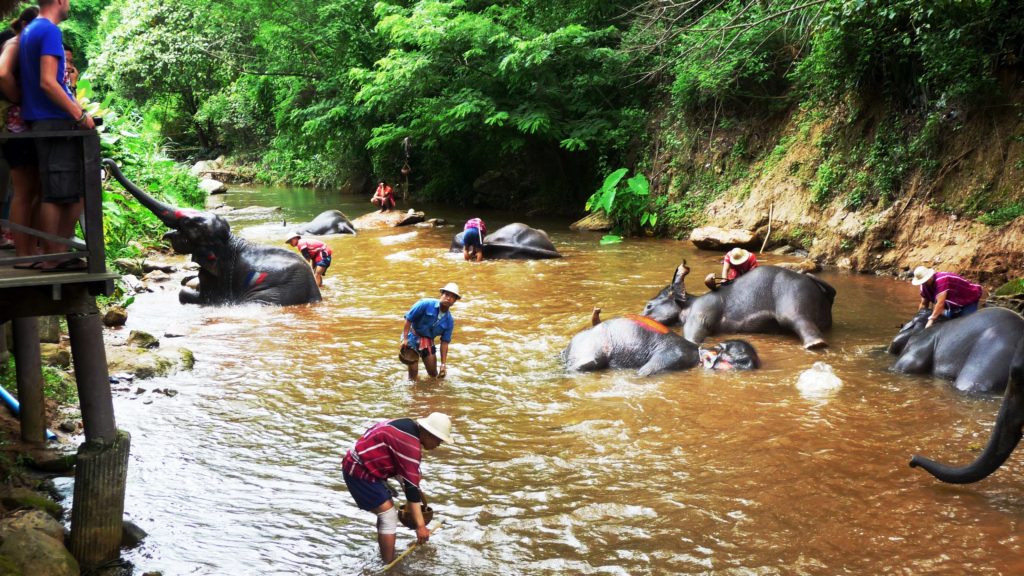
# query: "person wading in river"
426,320
393,448
316,253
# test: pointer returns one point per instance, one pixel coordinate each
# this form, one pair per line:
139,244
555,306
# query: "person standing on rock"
947,294
736,263
389,449
426,320
316,253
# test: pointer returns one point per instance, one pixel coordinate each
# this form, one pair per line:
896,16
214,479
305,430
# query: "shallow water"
686,473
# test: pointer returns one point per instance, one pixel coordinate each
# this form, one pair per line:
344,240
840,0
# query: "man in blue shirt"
426,320
47,105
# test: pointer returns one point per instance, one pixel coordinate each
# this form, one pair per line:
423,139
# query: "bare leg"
318,273
386,542
479,254
595,318
414,370
59,220
465,253
25,208
430,363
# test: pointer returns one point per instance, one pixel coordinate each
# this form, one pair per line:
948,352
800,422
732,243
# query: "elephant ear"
678,283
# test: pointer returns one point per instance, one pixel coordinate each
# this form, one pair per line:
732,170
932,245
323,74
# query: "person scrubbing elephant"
393,449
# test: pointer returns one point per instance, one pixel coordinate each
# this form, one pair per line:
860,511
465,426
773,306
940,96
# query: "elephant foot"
816,344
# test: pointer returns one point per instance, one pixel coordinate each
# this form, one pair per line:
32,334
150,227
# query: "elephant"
231,269
974,350
639,342
763,300
327,222
1005,435
515,241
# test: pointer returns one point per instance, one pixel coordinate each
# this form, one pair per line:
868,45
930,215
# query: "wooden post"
30,379
90,360
101,474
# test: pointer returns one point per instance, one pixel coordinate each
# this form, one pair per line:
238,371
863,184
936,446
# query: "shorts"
20,153
325,263
368,495
471,238
60,163
956,311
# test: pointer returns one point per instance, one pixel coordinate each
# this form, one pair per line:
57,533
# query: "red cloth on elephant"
735,271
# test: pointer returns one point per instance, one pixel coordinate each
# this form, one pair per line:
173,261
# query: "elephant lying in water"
974,351
1005,435
327,222
513,242
649,346
763,300
231,269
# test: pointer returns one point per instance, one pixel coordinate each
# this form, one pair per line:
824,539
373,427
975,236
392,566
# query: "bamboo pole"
771,212
438,525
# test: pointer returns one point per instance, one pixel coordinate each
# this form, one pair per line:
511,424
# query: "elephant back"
518,240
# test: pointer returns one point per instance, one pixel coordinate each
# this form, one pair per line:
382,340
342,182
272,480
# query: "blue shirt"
428,321
40,38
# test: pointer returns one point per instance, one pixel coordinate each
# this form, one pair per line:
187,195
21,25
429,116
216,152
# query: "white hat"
453,288
292,235
738,256
922,274
440,425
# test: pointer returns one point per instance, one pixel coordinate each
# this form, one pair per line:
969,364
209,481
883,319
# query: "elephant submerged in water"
327,222
766,299
639,342
1005,435
513,242
974,351
231,269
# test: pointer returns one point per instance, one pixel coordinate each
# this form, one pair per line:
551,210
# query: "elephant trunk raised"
167,214
1006,434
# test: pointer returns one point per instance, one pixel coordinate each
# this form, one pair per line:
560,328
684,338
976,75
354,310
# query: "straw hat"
292,236
738,256
408,356
922,274
440,425
453,288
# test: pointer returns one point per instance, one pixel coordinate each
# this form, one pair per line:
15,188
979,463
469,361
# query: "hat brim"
456,294
919,281
426,426
739,261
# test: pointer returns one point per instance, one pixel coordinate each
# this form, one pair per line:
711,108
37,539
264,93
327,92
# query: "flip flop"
74,265
37,265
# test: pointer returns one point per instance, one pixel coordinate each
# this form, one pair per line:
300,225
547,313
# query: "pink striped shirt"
384,452
959,292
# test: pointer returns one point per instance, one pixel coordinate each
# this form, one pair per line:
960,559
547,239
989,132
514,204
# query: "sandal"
73,265
37,265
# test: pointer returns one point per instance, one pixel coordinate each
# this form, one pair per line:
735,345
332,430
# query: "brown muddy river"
551,473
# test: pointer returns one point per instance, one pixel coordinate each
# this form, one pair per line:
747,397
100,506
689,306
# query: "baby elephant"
639,342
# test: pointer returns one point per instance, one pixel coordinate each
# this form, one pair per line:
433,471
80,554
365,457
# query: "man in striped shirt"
389,449
948,294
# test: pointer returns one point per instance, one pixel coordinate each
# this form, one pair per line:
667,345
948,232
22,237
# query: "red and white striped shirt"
388,449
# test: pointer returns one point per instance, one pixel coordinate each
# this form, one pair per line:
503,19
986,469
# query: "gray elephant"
327,222
1005,434
974,351
766,299
231,269
639,342
513,242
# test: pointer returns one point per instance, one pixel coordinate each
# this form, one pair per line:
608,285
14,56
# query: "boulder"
141,339
140,363
156,277
596,222
14,498
31,520
55,355
52,461
115,316
803,266
391,219
129,266
211,186
131,534
200,167
722,239
38,554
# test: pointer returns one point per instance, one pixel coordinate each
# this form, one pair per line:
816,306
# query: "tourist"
736,263
384,197
947,294
473,234
389,449
316,253
426,320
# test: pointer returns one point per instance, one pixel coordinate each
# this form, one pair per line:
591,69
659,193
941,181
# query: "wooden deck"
16,278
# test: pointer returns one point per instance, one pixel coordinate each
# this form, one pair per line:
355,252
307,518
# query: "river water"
551,473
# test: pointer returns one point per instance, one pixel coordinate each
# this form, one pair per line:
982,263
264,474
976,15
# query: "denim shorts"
471,238
60,163
368,495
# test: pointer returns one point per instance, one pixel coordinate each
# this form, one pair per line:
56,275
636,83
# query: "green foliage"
628,203
1003,214
827,181
56,385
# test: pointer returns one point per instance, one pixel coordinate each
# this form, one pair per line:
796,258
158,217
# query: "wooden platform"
17,278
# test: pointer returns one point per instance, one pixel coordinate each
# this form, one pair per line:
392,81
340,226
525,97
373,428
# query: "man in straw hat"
315,252
736,263
947,294
389,449
426,320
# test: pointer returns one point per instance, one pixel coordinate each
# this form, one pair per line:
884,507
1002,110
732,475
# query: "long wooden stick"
437,526
771,212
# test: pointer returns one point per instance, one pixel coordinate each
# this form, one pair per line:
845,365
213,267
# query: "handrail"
94,250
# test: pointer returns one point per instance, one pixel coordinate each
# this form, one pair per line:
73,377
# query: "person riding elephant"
327,222
766,299
736,263
231,269
1005,436
515,241
974,351
639,342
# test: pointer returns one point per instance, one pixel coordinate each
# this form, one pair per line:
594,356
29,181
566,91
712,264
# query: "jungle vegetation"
540,102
